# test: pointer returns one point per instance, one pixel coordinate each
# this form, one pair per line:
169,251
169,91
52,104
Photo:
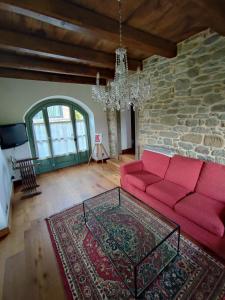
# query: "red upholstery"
203,211
155,163
210,240
167,192
212,181
141,179
184,171
201,214
133,166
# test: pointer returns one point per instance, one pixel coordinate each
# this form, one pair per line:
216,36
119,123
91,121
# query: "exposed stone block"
168,134
180,128
168,141
169,120
211,39
186,146
219,153
182,84
192,122
201,116
218,107
172,111
189,109
219,54
212,98
200,130
202,150
193,72
222,117
203,109
203,59
195,102
202,78
213,141
212,122
201,90
192,138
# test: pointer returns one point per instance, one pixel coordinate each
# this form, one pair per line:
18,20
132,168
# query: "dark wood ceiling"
71,40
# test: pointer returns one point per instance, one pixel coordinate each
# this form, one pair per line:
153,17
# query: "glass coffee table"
139,248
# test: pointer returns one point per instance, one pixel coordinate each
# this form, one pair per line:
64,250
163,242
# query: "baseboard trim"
5,231
128,151
98,161
17,183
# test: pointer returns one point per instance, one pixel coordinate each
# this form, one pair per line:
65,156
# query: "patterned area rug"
88,273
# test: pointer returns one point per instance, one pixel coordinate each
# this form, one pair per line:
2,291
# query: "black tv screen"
12,135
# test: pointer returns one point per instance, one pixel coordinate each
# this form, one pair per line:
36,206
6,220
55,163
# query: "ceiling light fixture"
126,89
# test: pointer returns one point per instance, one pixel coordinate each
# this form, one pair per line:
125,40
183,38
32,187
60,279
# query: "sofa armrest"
133,166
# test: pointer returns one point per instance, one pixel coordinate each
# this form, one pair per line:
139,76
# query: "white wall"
5,191
125,117
17,96
19,152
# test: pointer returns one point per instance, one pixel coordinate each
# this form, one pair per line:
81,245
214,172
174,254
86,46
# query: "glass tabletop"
136,236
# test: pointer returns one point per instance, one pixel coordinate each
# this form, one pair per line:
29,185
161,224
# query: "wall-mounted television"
12,135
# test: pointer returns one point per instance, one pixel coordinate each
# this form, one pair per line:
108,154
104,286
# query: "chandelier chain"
126,90
120,22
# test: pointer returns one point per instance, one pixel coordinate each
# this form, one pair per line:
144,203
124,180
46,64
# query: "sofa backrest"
211,182
155,163
184,171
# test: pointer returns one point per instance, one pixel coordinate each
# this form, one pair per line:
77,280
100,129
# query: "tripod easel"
99,150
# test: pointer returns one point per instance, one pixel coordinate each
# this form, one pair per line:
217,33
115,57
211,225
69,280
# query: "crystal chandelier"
125,90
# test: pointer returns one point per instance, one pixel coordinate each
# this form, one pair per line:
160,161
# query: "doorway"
127,123
132,119
59,134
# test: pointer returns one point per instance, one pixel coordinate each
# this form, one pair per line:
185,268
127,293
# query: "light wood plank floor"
28,269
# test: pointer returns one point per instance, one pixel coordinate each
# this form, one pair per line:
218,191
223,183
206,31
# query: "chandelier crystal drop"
126,89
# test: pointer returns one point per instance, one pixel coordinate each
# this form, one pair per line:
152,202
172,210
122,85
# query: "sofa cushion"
203,211
167,192
141,179
212,181
184,171
155,163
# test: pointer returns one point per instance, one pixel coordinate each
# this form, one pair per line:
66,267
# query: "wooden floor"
28,269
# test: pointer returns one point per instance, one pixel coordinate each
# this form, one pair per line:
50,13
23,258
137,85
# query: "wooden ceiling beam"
213,14
42,65
41,76
72,17
36,45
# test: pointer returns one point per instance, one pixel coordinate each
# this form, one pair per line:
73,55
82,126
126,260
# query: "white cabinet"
5,192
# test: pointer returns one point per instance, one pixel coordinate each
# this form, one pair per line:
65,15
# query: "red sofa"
188,191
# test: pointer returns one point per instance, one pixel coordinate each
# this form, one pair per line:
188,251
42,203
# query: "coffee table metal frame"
135,293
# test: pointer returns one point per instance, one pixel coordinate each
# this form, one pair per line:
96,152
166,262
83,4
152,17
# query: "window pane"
40,136
81,131
61,128
82,143
81,128
78,116
55,111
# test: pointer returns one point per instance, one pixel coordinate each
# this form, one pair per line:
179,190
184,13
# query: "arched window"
59,134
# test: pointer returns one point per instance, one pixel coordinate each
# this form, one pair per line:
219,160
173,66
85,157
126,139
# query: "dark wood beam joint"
30,75
72,17
43,65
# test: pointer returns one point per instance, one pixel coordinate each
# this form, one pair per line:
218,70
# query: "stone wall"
112,130
186,112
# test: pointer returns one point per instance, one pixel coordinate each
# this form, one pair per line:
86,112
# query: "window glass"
61,128
81,132
41,136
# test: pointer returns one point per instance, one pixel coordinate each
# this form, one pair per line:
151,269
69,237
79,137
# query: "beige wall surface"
17,96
